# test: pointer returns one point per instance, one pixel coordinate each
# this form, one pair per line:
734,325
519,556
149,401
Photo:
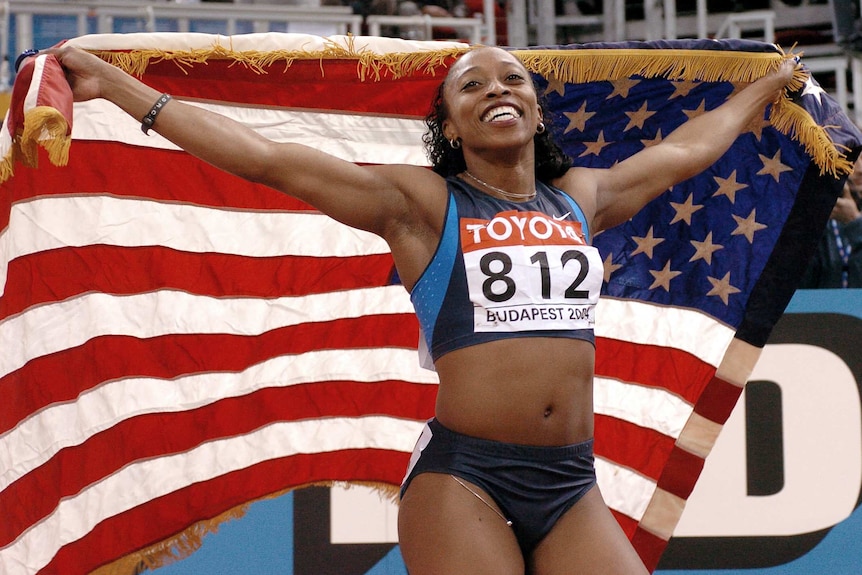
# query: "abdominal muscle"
531,391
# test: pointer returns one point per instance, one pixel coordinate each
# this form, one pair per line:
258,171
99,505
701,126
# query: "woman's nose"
496,88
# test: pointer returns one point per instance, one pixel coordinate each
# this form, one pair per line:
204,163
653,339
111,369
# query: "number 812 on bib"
534,287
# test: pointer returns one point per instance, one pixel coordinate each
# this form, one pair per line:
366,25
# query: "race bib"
527,271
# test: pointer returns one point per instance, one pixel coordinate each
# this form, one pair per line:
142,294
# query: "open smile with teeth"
501,114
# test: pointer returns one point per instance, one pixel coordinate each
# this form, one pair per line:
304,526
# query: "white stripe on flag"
624,490
360,138
51,328
53,222
31,100
684,329
649,407
40,437
258,43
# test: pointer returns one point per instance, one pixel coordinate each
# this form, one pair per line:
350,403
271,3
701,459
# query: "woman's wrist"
150,117
133,96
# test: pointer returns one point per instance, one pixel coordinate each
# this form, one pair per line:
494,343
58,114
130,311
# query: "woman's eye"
514,77
470,84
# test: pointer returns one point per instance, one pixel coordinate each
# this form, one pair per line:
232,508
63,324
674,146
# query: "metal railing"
72,18
734,24
421,27
19,20
661,21
23,23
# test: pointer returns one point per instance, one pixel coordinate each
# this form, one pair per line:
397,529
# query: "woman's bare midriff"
532,391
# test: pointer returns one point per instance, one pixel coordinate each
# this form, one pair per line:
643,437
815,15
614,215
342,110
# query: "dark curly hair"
551,161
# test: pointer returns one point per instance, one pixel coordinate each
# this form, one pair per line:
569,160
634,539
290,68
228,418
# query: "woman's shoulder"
414,181
575,179
580,184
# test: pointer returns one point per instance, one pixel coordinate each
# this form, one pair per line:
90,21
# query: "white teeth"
500,114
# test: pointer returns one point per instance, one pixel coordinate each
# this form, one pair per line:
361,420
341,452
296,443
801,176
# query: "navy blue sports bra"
506,269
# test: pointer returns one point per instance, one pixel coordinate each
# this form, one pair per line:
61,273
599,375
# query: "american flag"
178,342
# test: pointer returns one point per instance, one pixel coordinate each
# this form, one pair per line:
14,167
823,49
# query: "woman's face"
491,101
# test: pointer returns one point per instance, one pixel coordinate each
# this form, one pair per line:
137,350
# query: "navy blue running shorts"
533,485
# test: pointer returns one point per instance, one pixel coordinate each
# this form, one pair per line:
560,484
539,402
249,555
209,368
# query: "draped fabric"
178,342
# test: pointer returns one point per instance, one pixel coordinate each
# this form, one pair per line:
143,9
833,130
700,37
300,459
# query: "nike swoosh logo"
563,217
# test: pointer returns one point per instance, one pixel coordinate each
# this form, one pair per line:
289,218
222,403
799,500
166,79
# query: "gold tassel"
588,65
369,64
7,164
170,550
189,540
572,66
791,119
46,127
386,491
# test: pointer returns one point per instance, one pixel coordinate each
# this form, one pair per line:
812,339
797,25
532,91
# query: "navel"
548,411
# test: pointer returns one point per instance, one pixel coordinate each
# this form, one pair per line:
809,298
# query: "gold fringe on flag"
45,126
589,65
570,66
791,119
170,550
7,163
183,544
369,64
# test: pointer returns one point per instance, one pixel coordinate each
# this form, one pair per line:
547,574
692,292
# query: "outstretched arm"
620,192
366,198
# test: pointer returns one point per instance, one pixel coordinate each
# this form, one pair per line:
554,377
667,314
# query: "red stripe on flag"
74,468
649,546
642,450
101,359
718,400
681,473
662,367
58,274
314,84
144,173
136,530
628,524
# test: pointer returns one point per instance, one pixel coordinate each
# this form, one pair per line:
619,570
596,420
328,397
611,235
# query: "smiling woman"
494,245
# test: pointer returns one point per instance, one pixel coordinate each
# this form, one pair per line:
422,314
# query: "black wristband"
23,56
150,118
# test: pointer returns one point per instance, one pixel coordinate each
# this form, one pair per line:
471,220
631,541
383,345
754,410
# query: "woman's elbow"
261,165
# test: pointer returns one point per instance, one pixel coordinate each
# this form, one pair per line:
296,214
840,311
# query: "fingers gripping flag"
40,114
178,342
